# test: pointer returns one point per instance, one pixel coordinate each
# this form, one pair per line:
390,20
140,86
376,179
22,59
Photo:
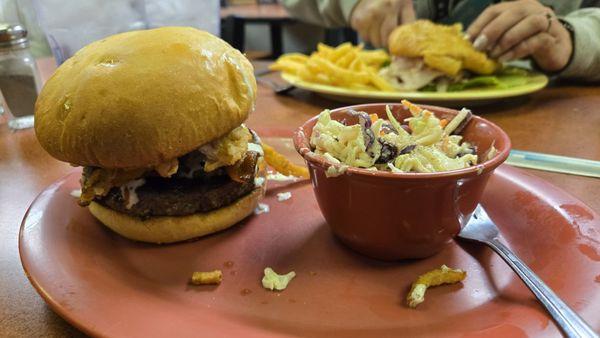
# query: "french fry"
282,164
306,75
318,64
345,66
288,66
374,57
322,78
340,51
443,275
347,59
357,65
309,76
324,49
347,77
205,278
338,74
380,82
316,78
296,57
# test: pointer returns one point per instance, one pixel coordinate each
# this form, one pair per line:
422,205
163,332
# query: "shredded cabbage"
344,143
429,147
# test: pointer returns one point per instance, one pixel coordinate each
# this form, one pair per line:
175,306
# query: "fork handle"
571,324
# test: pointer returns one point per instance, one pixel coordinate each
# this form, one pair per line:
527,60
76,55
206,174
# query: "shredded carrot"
373,117
413,108
443,122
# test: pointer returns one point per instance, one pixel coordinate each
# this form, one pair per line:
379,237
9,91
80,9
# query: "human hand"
517,29
374,20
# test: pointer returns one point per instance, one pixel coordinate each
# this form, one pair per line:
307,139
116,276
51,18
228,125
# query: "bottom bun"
170,229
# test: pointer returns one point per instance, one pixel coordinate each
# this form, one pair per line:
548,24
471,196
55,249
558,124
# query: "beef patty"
177,197
185,193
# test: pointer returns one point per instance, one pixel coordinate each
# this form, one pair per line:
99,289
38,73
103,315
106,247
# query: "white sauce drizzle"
131,195
256,148
259,181
76,193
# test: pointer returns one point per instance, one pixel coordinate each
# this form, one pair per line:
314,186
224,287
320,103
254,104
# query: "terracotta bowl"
393,216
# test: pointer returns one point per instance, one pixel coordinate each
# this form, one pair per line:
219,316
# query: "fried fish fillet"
442,48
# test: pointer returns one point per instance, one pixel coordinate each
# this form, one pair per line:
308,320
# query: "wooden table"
562,120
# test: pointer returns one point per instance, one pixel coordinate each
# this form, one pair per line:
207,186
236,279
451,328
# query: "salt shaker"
19,79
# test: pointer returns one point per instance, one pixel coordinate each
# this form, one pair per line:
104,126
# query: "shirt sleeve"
324,13
585,62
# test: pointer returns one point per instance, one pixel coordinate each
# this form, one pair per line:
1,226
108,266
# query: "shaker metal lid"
12,34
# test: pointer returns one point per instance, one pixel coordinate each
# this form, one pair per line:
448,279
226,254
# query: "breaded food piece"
207,277
442,48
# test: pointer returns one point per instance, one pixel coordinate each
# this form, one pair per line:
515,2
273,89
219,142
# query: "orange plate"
108,286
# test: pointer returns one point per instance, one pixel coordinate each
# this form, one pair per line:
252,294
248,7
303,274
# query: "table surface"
563,120
256,11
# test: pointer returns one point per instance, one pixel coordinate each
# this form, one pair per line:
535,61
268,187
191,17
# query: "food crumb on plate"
75,193
279,177
206,277
273,281
284,196
262,209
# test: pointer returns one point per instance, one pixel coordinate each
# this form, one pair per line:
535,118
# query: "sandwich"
433,56
155,118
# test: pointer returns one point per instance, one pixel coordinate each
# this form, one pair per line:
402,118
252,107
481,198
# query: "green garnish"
507,77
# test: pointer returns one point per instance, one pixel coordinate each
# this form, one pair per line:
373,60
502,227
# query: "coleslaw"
424,144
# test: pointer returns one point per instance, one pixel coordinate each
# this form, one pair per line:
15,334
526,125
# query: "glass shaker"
19,78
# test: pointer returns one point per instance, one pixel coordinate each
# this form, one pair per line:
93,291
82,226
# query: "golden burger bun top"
142,98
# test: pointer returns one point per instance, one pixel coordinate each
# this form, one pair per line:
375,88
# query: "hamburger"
425,53
155,118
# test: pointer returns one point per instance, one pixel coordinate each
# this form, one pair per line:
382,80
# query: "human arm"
373,20
585,62
524,28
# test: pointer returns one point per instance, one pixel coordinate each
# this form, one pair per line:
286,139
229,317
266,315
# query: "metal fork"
278,88
482,229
